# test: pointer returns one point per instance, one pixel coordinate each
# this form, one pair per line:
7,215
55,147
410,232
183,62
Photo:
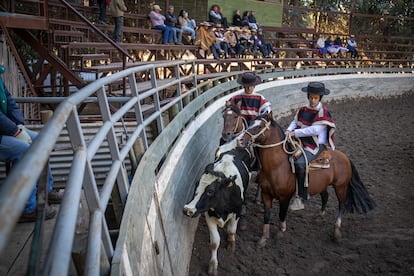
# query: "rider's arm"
314,130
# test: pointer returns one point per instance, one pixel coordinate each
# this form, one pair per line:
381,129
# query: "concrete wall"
160,242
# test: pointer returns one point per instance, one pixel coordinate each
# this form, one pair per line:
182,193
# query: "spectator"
268,46
245,40
117,9
233,40
216,16
187,24
320,44
15,139
252,20
338,41
352,47
171,21
102,10
158,23
245,19
205,38
258,45
221,43
237,20
333,48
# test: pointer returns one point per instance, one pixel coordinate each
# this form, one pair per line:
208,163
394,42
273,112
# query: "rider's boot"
297,203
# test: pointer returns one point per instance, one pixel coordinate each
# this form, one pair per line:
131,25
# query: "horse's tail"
357,197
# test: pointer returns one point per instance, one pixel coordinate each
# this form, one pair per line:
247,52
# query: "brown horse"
278,181
234,123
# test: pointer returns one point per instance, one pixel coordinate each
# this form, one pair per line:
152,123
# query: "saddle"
322,161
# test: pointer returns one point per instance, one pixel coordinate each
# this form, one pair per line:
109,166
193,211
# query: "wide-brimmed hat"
205,23
236,29
156,7
218,25
316,88
249,79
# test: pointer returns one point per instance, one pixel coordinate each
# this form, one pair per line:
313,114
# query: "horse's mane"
273,123
234,108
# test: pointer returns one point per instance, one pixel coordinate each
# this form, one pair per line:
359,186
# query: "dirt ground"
377,135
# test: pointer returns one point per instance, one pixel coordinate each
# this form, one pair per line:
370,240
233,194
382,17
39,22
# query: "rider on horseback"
251,105
314,126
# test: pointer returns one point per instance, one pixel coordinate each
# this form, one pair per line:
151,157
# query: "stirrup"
296,204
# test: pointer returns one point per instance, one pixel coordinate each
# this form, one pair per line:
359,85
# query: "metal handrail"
19,184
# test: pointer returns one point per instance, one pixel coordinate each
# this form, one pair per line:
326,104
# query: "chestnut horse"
278,181
234,123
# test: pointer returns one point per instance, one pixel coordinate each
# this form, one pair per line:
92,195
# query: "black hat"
316,88
249,79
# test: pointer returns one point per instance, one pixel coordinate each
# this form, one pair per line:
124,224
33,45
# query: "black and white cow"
220,196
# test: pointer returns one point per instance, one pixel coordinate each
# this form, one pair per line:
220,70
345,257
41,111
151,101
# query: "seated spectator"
258,45
246,41
187,24
205,38
351,46
237,20
252,20
171,21
338,41
320,44
215,16
245,19
231,35
334,49
268,46
221,43
15,139
158,23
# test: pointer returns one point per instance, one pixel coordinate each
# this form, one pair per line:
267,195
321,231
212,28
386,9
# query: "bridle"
243,122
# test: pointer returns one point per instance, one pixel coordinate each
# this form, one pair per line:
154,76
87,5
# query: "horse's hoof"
262,242
337,234
212,269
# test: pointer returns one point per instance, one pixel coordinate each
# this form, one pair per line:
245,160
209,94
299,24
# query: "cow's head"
216,193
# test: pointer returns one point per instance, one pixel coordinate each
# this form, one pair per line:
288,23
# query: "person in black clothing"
237,20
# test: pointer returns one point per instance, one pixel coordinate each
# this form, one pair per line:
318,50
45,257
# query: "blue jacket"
9,121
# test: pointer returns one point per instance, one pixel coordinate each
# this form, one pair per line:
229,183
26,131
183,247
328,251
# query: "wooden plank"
23,21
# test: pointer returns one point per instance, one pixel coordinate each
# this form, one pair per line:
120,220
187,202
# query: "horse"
278,181
234,123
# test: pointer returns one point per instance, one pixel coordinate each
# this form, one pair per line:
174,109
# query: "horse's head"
257,132
234,123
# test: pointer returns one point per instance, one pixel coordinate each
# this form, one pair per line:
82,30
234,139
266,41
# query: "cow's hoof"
212,269
279,234
262,242
231,245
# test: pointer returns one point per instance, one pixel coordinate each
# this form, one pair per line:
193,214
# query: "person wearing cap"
251,105
117,9
314,126
172,22
158,23
15,139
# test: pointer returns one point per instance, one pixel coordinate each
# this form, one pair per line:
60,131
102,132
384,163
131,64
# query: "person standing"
171,21
117,9
314,126
158,23
102,11
15,139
